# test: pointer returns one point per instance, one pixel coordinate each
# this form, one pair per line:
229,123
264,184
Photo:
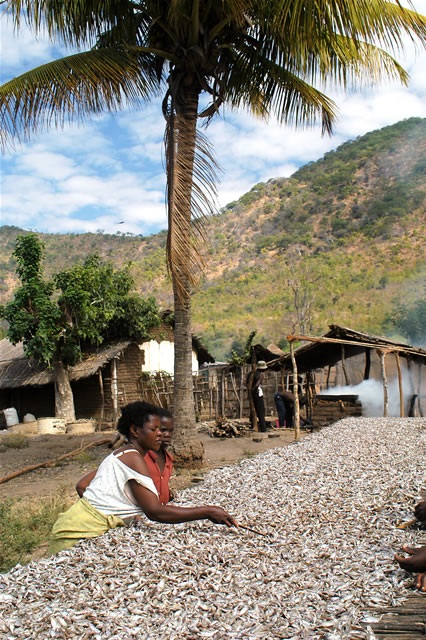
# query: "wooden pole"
296,395
114,389
401,395
222,387
241,391
20,472
419,386
308,396
217,397
385,383
345,371
234,387
101,388
253,414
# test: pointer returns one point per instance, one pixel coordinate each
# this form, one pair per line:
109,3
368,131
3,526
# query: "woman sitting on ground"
121,488
159,463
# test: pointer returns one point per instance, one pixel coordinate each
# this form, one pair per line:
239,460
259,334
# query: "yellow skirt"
78,522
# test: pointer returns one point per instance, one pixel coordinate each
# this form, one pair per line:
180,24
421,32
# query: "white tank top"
109,491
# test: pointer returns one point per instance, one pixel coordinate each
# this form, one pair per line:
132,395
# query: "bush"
15,441
25,527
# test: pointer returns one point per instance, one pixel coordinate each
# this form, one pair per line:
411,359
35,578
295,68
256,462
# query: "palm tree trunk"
187,448
64,399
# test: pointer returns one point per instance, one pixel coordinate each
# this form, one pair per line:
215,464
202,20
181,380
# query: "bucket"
81,427
11,416
50,425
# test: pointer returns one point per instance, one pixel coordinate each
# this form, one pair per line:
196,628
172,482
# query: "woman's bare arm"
152,508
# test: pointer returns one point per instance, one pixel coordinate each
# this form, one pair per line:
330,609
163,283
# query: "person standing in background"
257,395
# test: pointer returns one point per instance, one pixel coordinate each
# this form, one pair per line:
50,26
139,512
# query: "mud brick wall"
87,398
129,371
324,413
87,393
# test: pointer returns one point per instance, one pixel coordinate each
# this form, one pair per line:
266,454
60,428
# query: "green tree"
81,307
410,322
261,55
240,357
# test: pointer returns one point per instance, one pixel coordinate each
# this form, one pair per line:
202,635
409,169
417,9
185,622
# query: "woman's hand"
220,516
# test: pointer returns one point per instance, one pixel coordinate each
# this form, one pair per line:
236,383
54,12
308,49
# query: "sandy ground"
64,475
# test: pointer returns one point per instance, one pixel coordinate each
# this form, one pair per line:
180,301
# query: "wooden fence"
220,392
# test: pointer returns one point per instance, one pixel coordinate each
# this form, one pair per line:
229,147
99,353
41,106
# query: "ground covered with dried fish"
329,506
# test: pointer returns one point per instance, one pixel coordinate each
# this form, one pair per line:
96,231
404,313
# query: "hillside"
342,240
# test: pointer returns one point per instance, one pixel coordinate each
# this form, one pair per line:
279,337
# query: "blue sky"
109,170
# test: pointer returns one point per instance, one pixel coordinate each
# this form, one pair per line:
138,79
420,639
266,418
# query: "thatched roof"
203,356
274,348
17,371
319,354
264,353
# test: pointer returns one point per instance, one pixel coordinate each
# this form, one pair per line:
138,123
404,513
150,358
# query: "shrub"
15,441
25,527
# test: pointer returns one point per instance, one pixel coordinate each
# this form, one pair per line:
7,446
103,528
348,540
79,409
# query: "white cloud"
22,52
46,164
110,169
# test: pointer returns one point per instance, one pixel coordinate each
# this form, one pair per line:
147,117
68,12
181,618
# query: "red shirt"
161,480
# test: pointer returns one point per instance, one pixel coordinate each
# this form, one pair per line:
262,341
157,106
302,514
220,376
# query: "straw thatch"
17,371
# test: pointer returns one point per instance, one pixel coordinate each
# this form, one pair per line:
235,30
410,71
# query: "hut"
345,371
107,378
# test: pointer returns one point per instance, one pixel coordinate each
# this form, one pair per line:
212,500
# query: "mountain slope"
339,241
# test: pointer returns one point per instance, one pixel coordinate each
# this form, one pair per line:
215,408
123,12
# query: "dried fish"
329,504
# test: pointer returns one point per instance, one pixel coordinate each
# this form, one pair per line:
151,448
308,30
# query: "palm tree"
262,55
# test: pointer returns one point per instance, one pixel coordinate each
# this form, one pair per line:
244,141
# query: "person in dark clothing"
257,395
284,402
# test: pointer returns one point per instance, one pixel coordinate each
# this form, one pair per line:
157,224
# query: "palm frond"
343,61
380,21
75,22
360,63
72,88
273,89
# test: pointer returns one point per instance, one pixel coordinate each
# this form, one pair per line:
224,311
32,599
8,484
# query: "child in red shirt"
160,463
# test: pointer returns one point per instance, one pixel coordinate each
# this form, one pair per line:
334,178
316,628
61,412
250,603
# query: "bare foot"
421,582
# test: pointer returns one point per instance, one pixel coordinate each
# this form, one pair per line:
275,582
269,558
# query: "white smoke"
370,394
